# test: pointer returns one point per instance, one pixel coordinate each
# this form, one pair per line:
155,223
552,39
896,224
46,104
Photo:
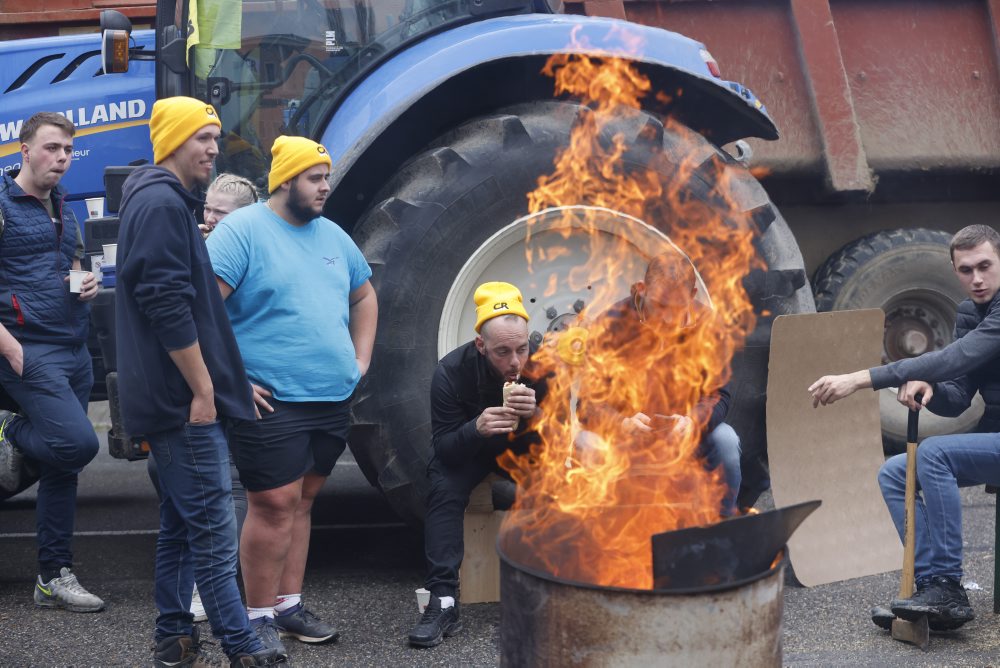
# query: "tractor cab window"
279,66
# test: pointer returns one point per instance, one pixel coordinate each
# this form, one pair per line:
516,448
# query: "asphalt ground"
363,568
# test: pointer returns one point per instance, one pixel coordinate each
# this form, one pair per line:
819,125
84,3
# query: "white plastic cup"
95,207
76,280
110,254
423,599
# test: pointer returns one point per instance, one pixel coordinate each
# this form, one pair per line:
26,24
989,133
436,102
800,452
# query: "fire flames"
591,494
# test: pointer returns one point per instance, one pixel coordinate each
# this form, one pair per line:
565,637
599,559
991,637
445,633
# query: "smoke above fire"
632,186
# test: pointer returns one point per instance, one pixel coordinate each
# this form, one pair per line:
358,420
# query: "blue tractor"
439,121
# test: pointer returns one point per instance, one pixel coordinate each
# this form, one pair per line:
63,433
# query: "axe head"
917,633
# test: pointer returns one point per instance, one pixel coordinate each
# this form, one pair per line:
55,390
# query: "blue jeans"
54,431
721,447
197,541
944,463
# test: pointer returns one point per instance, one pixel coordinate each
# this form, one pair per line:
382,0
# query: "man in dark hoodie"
180,375
44,363
945,381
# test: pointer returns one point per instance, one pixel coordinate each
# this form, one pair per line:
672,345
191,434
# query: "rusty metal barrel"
546,621
706,612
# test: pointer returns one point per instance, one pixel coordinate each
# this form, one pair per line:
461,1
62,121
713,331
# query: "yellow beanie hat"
497,298
290,156
174,120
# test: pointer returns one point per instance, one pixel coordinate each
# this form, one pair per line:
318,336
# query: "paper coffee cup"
76,280
110,253
95,207
423,599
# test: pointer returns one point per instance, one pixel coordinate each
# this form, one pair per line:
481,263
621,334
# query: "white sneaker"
65,592
197,608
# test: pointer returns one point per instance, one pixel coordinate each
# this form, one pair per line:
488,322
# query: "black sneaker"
267,657
941,599
436,624
267,632
882,617
304,626
182,651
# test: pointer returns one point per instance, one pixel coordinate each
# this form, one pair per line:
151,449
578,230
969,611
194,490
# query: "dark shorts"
296,439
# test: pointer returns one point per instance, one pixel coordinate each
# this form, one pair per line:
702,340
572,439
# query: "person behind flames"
474,418
660,307
945,380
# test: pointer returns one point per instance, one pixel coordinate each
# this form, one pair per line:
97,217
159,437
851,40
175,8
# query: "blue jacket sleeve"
159,262
716,406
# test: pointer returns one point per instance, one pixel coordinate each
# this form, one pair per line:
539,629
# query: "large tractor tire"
449,219
907,274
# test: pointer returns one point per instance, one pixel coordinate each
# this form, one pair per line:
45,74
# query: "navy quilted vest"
35,258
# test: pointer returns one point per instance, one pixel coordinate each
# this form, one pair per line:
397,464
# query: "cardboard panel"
832,453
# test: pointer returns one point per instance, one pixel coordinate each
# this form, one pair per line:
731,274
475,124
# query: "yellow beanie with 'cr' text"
495,299
175,120
290,156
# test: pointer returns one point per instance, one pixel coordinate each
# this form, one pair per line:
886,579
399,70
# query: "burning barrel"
716,601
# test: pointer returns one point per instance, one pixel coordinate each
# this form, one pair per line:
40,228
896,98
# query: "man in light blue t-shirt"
304,313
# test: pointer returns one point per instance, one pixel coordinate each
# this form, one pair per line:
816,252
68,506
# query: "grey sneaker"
268,633
11,459
303,625
66,592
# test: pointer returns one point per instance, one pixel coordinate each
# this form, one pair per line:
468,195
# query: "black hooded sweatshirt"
167,298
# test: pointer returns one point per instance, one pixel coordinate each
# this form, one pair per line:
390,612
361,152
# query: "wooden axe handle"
909,534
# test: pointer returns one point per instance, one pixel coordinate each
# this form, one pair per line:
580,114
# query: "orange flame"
591,494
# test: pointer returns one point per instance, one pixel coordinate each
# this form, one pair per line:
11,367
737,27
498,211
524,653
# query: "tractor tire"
908,274
437,212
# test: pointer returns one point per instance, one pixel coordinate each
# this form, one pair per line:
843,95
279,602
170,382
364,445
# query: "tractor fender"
435,84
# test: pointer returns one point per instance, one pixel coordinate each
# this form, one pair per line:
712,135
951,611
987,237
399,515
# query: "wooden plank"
479,576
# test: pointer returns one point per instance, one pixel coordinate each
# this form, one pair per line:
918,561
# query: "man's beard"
298,206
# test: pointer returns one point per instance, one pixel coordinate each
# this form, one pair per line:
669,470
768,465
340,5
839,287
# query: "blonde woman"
227,193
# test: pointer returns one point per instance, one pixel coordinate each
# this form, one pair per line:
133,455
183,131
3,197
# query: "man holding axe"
945,381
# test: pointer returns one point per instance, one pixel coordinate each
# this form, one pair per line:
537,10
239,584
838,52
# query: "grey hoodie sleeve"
956,359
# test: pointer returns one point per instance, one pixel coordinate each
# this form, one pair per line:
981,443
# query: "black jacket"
167,298
464,385
971,363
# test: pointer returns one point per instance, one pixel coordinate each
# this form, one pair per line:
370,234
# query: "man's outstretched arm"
829,389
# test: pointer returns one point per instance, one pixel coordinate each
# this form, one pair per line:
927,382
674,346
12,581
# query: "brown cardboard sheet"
832,453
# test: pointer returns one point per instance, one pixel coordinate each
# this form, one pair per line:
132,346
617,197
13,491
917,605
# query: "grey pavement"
363,568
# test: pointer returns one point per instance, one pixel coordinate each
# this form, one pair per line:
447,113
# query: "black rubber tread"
847,279
437,210
844,264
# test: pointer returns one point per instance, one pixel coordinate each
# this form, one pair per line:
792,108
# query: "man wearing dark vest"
946,380
44,363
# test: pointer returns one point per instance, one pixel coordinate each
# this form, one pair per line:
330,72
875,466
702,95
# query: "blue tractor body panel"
398,83
111,111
